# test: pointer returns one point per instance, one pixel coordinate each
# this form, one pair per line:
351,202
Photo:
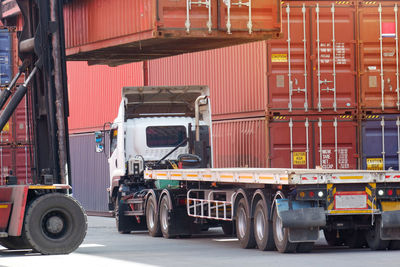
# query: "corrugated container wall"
240,143
120,31
379,56
90,173
235,76
381,142
327,141
95,93
313,67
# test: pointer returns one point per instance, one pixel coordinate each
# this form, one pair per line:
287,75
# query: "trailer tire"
14,242
373,237
281,236
244,225
152,218
54,224
165,218
263,227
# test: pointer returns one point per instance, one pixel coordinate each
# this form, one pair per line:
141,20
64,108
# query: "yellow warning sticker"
375,164
299,158
279,58
6,128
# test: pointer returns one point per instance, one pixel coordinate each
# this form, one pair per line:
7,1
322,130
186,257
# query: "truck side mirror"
99,139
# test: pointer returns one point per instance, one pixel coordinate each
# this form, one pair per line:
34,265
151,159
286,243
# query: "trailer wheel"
55,224
263,227
165,218
14,242
244,225
373,237
281,236
152,219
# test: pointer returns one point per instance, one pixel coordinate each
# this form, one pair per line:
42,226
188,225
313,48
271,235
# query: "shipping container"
240,143
379,56
120,31
90,173
5,57
326,141
95,93
381,142
235,75
313,67
16,161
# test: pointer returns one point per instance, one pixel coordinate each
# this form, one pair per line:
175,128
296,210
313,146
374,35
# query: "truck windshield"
165,136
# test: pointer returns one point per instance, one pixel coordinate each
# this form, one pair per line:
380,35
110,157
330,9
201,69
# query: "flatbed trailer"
285,208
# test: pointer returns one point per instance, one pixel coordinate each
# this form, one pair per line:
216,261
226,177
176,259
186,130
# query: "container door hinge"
207,4
229,4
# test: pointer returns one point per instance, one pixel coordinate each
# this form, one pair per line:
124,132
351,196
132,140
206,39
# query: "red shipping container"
95,93
235,76
120,31
240,143
15,160
379,56
313,66
311,141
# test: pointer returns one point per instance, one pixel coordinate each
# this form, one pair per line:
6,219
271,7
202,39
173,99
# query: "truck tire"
165,218
244,225
152,218
281,236
373,237
263,227
54,224
14,243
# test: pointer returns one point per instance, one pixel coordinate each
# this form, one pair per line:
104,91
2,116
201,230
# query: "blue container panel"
5,57
372,143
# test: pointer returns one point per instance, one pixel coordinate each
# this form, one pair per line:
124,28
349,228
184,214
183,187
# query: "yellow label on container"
6,127
279,58
299,158
375,164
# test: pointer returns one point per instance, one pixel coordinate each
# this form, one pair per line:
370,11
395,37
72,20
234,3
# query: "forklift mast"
41,48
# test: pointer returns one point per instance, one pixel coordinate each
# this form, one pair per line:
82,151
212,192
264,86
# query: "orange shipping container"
120,31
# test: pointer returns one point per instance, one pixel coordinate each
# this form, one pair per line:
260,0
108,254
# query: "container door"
288,62
188,15
248,15
380,142
379,56
290,142
5,58
335,142
334,69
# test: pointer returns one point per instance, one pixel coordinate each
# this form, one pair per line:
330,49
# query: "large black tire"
152,218
15,243
263,227
281,236
334,237
127,224
54,224
244,225
165,218
373,237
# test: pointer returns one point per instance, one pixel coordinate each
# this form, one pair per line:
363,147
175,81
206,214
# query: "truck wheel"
263,227
123,223
281,236
334,237
55,224
244,225
14,242
152,219
373,237
165,219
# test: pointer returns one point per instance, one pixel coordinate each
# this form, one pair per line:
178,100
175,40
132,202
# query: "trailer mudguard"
300,214
390,225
